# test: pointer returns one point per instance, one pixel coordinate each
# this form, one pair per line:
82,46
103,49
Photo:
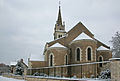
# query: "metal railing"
84,70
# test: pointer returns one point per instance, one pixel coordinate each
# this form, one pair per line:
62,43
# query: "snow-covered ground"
8,79
11,79
71,79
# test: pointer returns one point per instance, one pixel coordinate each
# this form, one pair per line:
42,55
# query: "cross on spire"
59,3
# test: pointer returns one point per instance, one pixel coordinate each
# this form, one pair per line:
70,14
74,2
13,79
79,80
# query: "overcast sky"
26,25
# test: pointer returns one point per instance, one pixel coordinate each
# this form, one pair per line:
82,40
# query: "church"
77,46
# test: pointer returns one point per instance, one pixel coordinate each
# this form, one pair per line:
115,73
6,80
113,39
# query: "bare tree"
116,45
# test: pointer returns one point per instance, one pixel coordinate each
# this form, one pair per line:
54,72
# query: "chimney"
21,60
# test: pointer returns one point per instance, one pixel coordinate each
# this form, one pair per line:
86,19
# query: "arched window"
59,36
89,54
100,60
51,60
66,59
78,52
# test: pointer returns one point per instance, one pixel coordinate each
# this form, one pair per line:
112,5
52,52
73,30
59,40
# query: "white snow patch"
83,36
8,79
13,63
102,48
114,59
57,45
71,79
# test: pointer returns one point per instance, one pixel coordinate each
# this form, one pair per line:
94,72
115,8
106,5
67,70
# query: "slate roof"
74,33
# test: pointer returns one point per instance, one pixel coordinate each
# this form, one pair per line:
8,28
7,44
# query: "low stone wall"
33,78
13,76
30,78
115,69
38,78
41,79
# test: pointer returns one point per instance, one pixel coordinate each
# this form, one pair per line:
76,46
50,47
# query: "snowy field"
8,79
11,79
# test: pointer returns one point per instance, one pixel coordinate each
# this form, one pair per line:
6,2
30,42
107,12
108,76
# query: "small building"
4,68
24,66
14,66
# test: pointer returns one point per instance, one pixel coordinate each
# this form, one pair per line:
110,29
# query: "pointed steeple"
59,30
59,20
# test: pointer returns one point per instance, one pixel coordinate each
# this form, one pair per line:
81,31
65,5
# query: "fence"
84,70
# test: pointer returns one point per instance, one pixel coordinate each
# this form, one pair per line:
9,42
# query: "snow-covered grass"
76,79
62,78
8,79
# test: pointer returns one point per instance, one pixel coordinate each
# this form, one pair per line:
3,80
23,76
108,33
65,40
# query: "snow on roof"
57,45
13,63
34,59
37,57
102,48
83,36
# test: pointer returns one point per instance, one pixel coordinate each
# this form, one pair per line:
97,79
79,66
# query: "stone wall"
58,55
106,54
28,78
13,76
42,79
115,69
36,64
83,45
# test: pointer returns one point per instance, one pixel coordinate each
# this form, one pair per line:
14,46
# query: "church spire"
59,30
59,20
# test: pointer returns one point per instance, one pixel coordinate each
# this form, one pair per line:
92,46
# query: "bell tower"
59,30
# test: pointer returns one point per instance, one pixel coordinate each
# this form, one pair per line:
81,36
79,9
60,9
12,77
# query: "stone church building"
77,46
